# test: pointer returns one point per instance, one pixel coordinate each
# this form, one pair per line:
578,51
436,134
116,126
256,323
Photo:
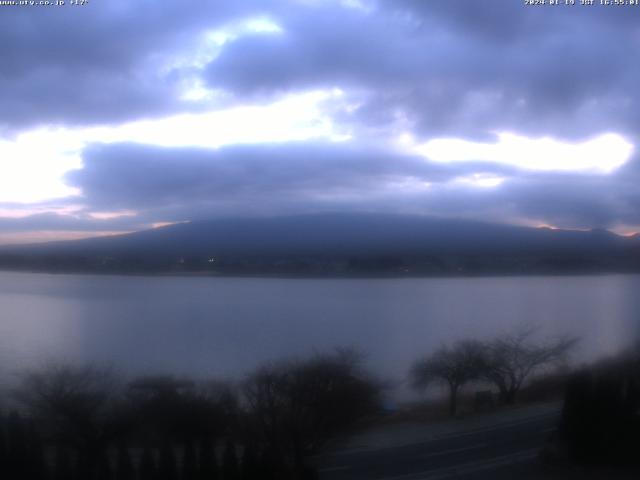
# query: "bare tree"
72,401
297,406
74,405
453,366
509,360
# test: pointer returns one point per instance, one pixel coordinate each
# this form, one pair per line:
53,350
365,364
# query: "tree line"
87,423
84,423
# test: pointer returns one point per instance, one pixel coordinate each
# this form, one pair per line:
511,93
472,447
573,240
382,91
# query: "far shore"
322,276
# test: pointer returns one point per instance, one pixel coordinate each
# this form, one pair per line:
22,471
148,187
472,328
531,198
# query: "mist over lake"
224,327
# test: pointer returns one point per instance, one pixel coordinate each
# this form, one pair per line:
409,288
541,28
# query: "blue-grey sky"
120,115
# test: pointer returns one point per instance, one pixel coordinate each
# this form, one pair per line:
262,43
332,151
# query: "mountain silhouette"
348,242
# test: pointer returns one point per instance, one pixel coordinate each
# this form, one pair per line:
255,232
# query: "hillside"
337,244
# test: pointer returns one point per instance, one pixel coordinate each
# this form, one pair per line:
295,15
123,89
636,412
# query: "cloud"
442,67
64,222
174,184
130,176
54,151
101,63
157,105
450,67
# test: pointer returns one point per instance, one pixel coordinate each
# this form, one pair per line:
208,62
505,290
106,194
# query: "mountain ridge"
339,243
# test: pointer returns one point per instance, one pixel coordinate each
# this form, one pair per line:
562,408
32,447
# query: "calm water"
226,326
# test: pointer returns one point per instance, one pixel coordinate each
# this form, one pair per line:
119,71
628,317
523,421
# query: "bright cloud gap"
602,154
55,151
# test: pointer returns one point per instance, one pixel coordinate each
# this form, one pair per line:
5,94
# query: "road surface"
504,447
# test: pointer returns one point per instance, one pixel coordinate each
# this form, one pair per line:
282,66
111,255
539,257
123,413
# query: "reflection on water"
226,326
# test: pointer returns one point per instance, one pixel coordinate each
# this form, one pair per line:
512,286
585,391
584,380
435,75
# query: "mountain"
338,244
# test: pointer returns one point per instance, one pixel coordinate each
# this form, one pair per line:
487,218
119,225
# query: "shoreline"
328,276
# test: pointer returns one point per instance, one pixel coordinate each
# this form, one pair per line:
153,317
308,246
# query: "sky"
118,116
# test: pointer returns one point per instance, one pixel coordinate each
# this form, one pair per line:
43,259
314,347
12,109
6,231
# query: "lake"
224,327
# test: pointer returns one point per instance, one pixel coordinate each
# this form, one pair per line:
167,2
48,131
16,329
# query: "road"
505,449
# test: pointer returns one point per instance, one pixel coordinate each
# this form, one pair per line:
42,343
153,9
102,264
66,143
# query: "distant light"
602,154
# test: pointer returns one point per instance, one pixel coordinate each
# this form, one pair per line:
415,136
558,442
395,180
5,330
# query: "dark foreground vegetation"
600,424
85,423
82,423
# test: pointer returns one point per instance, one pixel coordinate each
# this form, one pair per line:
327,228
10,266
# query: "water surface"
205,326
